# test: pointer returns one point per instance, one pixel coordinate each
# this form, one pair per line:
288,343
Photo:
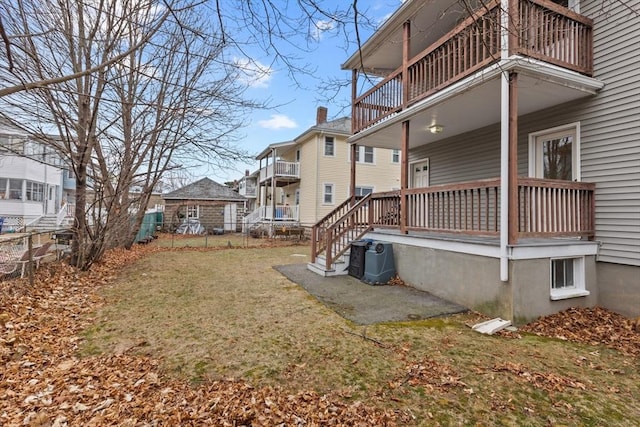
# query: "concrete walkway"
365,304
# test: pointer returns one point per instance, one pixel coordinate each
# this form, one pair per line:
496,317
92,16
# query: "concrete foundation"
619,287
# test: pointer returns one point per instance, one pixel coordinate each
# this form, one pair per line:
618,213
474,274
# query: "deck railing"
470,208
549,208
282,169
538,29
546,208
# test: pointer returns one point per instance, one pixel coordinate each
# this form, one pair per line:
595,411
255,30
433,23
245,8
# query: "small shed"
216,206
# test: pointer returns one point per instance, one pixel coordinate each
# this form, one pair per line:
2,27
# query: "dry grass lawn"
227,313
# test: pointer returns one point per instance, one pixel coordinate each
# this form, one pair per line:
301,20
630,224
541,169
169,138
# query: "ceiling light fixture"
435,128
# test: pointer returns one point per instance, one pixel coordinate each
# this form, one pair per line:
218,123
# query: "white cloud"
278,121
253,73
321,27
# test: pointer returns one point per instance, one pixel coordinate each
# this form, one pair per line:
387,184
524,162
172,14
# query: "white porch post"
504,145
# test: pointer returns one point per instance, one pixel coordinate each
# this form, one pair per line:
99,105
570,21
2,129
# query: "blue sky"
294,104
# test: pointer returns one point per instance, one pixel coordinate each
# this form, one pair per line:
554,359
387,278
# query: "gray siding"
611,129
609,134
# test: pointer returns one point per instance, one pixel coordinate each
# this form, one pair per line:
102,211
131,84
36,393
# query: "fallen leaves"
548,381
44,382
591,326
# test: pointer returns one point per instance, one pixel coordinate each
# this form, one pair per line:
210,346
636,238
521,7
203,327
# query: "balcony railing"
268,213
282,170
248,189
546,208
537,28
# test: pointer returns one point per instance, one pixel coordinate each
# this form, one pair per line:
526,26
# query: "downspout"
504,145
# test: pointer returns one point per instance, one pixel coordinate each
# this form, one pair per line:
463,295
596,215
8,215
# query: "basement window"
567,278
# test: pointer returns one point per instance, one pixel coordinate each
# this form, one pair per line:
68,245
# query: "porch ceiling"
430,20
475,103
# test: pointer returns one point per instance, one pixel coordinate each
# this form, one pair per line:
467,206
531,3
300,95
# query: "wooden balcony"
546,208
537,29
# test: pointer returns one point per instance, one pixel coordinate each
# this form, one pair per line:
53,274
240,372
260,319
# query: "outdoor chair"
39,253
9,262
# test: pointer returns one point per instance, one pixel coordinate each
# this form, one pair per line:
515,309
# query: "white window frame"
332,140
360,154
189,210
332,193
395,153
363,187
535,149
298,155
579,280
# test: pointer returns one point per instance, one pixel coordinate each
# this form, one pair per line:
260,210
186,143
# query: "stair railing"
351,226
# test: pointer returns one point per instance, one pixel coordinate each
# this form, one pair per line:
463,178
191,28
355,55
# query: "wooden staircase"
331,237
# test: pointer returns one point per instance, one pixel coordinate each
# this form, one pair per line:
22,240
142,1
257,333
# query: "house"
301,181
519,129
36,188
216,206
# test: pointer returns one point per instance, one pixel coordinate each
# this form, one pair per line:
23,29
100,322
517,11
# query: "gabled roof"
337,126
204,189
341,126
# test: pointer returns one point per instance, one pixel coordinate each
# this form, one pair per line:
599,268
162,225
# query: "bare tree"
137,89
172,98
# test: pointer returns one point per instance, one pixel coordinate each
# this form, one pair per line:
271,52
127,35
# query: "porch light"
436,128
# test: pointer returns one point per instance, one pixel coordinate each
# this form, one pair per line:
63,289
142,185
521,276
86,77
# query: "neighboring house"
520,195
36,189
216,206
301,181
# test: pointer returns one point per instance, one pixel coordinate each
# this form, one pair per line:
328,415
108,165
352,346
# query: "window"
364,154
15,189
363,191
193,211
554,154
298,155
329,146
395,156
567,278
3,188
297,197
327,197
35,191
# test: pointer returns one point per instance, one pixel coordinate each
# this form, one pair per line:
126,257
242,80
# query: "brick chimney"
321,115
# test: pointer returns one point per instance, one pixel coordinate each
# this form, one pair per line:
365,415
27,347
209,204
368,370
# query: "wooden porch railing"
546,208
471,208
539,29
551,208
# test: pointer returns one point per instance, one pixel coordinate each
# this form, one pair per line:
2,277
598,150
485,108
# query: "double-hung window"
364,154
395,156
327,194
329,146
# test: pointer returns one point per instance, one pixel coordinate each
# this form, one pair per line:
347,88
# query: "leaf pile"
431,375
44,383
591,326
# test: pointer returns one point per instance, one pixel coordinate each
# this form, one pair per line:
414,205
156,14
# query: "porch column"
352,178
355,120
513,158
273,184
404,176
406,51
